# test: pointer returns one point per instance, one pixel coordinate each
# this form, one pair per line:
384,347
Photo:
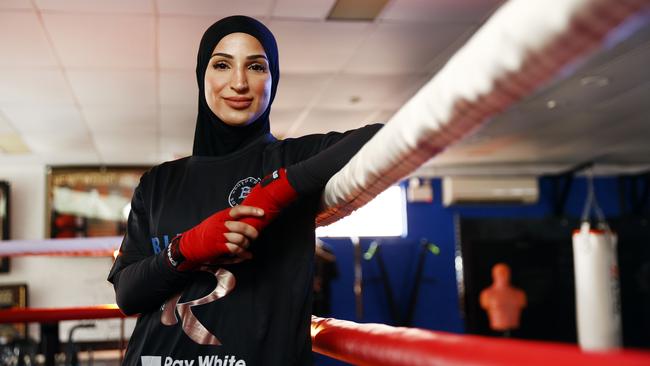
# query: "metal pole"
358,277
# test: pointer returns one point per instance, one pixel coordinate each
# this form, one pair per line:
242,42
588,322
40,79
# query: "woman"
234,288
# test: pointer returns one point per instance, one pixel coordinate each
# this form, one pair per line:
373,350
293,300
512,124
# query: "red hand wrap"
175,258
206,240
272,194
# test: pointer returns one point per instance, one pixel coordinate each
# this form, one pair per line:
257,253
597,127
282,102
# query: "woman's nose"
239,82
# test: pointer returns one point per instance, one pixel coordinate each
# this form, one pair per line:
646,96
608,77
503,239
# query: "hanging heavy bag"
598,308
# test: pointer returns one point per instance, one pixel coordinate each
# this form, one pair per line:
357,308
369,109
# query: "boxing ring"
525,44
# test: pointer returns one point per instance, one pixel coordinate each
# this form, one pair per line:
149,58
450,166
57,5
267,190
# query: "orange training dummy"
502,302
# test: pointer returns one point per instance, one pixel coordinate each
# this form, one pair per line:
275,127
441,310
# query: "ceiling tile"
15,4
46,119
12,144
118,121
382,116
635,58
298,90
22,34
20,159
282,120
124,142
126,149
113,6
33,87
634,100
624,146
310,47
630,128
179,40
219,9
107,87
129,156
68,142
118,41
621,80
5,125
178,88
325,120
583,91
367,91
178,121
439,11
412,47
175,147
65,158
314,9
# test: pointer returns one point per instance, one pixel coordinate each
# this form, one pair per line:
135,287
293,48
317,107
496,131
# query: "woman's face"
237,80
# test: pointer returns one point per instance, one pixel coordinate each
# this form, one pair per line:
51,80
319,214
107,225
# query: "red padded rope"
50,315
383,345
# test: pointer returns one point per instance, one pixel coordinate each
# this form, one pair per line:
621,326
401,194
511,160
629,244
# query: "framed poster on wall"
4,222
90,201
13,296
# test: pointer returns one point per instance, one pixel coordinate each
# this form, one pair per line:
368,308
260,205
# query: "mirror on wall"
90,201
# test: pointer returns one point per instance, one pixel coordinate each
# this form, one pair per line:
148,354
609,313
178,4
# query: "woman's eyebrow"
252,57
226,55
222,55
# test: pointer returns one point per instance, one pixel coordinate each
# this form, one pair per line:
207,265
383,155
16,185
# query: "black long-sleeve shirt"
257,311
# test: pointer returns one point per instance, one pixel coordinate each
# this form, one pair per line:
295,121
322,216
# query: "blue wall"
438,302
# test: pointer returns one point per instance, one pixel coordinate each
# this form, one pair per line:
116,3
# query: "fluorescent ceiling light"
356,9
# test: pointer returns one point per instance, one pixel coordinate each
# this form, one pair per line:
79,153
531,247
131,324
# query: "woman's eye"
220,65
257,67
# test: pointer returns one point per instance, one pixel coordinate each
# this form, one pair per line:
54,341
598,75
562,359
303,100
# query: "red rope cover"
47,315
382,345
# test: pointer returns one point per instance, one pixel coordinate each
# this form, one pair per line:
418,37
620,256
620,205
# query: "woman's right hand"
221,234
241,234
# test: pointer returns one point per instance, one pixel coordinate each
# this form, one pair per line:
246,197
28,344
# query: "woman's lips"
238,102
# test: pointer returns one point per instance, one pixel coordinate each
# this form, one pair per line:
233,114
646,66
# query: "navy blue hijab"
212,137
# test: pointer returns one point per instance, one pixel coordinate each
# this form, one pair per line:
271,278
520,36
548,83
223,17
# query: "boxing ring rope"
379,344
89,247
49,315
523,45
383,345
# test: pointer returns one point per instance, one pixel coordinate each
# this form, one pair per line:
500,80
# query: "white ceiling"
112,82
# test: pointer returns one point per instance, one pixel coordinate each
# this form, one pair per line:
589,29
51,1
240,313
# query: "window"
383,216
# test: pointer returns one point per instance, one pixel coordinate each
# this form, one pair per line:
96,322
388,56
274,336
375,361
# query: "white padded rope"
524,44
100,246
